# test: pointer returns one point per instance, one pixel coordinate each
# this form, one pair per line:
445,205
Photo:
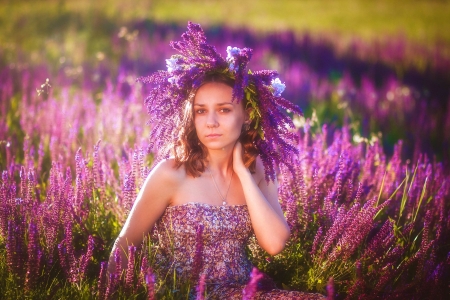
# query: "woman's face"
218,121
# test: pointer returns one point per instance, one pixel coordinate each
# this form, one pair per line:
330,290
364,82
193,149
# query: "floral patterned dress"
200,239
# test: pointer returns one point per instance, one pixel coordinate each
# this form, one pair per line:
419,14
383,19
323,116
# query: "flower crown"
262,90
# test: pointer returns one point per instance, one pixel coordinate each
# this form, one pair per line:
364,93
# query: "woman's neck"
220,161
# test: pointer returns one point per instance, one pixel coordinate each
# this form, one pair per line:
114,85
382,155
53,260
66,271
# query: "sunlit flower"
232,52
172,80
172,64
278,87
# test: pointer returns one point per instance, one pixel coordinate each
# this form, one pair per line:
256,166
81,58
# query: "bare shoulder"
269,189
166,171
259,171
164,180
260,174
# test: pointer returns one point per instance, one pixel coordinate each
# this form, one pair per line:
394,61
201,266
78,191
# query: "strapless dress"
196,239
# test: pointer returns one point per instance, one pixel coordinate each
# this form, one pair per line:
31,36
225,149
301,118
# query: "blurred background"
380,68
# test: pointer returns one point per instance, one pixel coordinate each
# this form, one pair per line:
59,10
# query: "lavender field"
370,218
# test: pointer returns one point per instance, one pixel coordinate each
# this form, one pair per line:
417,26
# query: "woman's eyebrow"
218,104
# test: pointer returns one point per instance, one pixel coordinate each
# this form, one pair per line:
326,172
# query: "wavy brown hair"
188,150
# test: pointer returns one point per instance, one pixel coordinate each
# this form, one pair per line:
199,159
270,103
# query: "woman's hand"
268,222
238,162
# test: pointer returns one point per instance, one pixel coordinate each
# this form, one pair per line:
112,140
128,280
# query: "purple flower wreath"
262,90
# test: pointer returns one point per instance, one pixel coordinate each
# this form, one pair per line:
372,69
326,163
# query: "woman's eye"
225,110
200,111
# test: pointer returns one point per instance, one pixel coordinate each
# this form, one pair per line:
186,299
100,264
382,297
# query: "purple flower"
130,267
101,286
201,288
150,284
330,289
129,190
62,256
84,259
112,285
317,237
144,269
33,263
172,80
118,261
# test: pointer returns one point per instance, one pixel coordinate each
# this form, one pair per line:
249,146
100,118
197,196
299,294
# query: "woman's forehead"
214,92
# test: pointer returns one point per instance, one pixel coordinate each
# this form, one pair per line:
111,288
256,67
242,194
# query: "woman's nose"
211,122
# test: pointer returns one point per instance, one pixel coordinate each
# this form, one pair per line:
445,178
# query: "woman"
222,135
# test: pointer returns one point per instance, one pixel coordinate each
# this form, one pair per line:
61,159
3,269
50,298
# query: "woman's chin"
219,143
217,146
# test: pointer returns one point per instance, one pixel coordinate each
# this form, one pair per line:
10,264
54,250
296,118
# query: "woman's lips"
213,135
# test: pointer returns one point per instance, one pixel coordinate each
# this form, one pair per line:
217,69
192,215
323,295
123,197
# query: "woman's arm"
152,200
268,222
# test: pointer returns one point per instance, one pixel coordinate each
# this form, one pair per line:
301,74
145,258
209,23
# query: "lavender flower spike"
101,285
278,87
330,289
201,288
150,283
130,268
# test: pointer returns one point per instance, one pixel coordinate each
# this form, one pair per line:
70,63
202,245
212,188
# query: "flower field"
370,218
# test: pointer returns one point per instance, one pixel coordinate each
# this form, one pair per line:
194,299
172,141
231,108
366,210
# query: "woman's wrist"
242,172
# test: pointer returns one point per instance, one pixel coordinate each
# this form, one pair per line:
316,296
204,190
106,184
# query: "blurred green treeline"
79,29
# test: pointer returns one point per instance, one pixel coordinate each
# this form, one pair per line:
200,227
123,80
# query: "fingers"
238,160
237,150
238,145
237,154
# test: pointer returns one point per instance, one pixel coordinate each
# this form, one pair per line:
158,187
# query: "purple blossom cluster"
372,230
60,207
